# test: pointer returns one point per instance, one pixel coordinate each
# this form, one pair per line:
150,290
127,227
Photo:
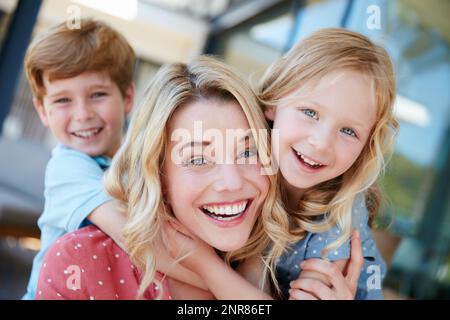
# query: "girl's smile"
308,163
323,128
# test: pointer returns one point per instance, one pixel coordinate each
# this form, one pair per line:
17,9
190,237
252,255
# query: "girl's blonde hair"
311,59
135,174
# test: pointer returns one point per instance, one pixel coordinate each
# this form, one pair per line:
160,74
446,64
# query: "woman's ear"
270,113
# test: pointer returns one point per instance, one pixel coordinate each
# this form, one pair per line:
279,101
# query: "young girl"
329,101
212,186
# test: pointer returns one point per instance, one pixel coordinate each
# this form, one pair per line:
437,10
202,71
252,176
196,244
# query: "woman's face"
211,176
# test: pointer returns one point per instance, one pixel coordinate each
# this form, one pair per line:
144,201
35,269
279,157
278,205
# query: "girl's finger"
315,287
180,228
356,261
332,273
296,294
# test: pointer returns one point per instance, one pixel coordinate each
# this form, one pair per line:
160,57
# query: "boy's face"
86,112
323,128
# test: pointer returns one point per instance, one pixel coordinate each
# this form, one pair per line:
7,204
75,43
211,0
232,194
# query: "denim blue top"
374,268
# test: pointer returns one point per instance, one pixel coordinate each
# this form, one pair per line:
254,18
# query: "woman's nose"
230,178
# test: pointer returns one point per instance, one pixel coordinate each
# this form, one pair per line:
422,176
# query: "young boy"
82,83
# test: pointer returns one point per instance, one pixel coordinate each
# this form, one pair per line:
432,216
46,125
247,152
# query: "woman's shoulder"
86,237
86,264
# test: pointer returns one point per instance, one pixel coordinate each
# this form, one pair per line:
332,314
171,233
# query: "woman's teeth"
87,133
225,213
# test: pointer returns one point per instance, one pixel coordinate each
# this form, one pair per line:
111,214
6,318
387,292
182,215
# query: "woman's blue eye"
248,153
349,132
197,162
310,113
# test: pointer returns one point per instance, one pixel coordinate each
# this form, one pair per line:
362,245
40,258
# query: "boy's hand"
194,253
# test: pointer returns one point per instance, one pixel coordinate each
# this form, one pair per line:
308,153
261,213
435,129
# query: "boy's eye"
349,131
62,100
98,94
197,162
310,113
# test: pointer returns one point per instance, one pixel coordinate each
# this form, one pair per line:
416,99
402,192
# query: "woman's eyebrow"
194,143
248,134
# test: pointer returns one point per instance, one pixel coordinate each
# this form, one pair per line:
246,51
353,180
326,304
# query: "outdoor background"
413,231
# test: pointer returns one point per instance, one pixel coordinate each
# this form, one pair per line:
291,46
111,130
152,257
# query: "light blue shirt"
73,189
373,270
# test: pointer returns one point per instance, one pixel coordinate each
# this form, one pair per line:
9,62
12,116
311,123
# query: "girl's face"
323,128
212,184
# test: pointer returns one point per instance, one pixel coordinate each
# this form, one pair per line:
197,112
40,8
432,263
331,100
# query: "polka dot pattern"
88,265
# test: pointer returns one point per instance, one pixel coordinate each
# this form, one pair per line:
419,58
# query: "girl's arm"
111,219
325,280
201,258
222,280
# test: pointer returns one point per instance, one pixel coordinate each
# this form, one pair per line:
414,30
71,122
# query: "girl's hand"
343,284
182,245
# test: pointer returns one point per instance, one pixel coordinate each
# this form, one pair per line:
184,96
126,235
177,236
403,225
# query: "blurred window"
416,34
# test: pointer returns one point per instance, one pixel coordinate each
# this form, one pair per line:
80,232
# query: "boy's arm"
111,220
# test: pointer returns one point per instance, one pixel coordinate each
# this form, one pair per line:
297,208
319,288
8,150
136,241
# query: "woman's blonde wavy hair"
311,59
135,174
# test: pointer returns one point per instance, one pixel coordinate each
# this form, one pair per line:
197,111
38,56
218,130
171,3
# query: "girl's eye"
349,132
98,94
310,113
197,162
62,100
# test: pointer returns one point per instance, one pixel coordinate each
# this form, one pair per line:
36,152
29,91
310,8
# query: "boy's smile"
86,112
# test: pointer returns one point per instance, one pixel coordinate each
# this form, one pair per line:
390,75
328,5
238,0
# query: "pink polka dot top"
88,265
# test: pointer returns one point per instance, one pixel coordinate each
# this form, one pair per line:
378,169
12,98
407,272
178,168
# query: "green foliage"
402,185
